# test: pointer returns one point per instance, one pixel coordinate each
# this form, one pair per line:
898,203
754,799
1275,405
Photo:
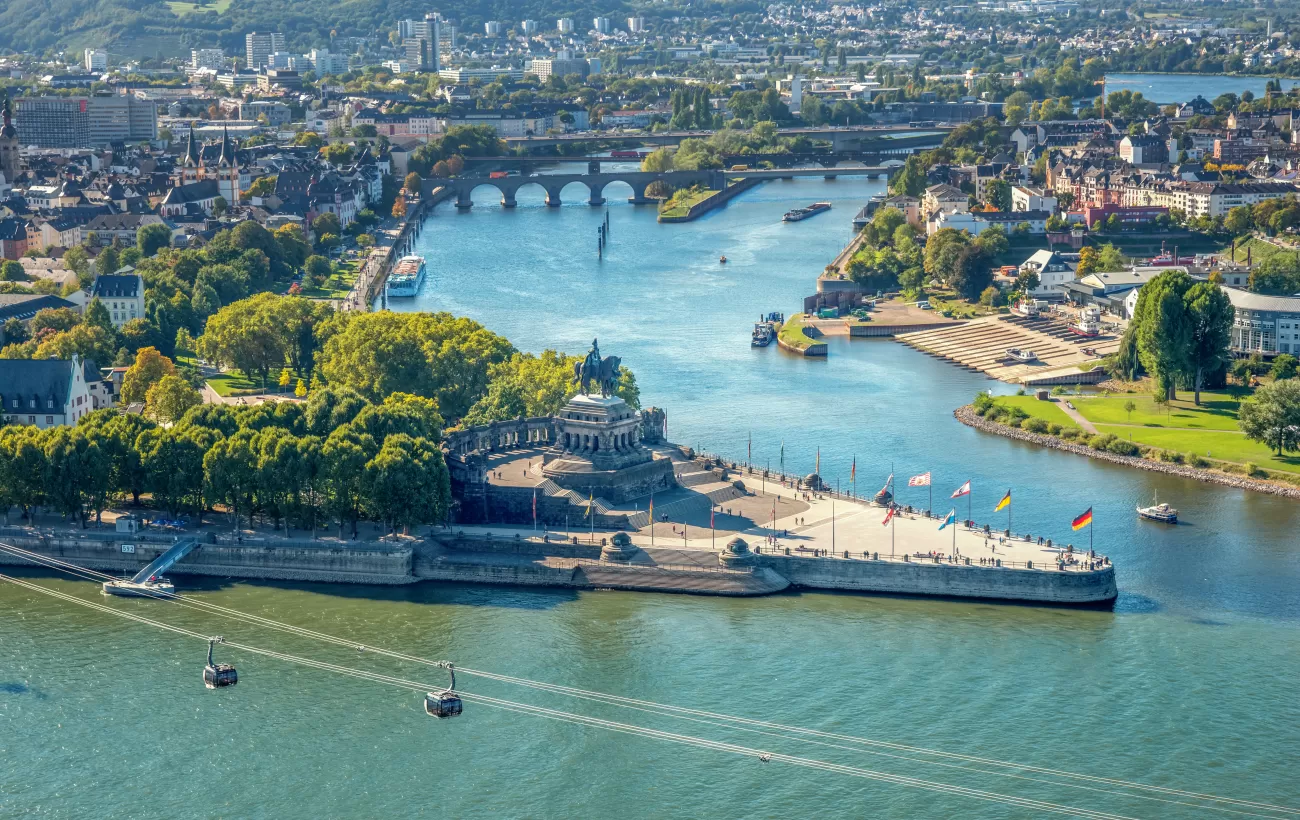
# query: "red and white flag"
922,480
962,490
888,516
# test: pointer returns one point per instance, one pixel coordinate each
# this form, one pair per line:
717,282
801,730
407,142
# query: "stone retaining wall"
949,580
967,415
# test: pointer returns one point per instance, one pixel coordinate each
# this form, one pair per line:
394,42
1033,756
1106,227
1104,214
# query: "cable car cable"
729,720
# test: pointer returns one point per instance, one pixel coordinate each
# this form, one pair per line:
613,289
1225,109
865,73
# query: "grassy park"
792,333
1207,432
680,204
338,286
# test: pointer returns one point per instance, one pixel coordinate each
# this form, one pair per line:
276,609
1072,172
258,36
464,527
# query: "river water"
1166,89
1189,683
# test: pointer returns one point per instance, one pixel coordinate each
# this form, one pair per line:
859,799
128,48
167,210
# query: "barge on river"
799,214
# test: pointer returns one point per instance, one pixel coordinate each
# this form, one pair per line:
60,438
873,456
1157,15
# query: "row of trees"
337,456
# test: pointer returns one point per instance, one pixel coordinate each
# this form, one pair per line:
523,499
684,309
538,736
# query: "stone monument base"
619,485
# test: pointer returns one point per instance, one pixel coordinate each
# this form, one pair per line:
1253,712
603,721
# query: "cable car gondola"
444,703
218,674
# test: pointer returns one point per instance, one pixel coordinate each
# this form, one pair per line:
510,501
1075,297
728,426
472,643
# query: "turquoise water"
1179,88
1189,683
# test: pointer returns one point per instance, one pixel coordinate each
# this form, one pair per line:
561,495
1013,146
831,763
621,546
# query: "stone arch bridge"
553,184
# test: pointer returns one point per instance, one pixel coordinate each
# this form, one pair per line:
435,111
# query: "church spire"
7,130
191,159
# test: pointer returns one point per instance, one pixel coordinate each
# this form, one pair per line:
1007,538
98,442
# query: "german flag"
1006,499
1083,520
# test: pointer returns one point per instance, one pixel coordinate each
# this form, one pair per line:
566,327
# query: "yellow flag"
1006,499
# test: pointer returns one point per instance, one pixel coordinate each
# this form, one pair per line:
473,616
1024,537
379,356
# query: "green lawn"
337,286
1219,445
1259,250
1048,411
682,206
1218,410
181,9
232,383
792,333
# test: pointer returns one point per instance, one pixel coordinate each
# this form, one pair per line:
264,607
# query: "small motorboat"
1023,356
1161,512
722,260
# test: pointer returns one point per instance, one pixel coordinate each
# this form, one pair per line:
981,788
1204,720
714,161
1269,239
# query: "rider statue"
593,357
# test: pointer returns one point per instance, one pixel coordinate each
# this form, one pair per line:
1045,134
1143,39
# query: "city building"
1204,198
459,76
10,145
561,65
1144,149
276,113
492,28
1052,272
601,25
216,162
122,293
528,27
1026,198
96,60
422,41
564,25
279,78
636,25
977,223
1267,325
212,58
259,47
13,238
323,62
78,122
50,392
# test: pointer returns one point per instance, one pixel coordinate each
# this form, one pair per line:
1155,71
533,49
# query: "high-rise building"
601,25
564,25
9,144
492,28
80,122
420,41
213,58
529,27
96,59
561,65
258,47
636,25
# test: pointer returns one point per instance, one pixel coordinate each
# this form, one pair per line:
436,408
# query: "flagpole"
652,517
891,533
713,529
591,511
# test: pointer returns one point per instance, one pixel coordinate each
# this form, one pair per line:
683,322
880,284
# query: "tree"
1239,221
1129,407
658,161
412,183
1272,416
108,261
97,315
1209,317
942,250
285,378
972,272
1284,367
11,271
172,466
91,343
152,238
407,483
56,320
300,390
1026,281
435,355
317,270
911,180
308,139
262,186
399,208
250,335
150,367
230,472
1088,260
326,223
338,153
220,206
990,296
293,247
170,398
999,194
1163,329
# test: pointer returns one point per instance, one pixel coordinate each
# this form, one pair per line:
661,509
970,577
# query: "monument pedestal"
598,451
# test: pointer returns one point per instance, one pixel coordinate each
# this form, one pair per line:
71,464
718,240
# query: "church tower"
8,145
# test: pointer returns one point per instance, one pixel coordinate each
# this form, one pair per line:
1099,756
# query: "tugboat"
803,213
1163,513
764,333
1025,308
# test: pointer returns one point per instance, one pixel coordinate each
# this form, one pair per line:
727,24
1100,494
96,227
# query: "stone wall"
283,560
967,415
951,580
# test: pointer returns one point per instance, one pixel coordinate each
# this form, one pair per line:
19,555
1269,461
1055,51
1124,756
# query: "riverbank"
967,415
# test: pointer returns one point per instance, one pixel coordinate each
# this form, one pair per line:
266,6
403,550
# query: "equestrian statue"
593,370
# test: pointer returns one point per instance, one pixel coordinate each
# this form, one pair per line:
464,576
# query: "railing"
1082,564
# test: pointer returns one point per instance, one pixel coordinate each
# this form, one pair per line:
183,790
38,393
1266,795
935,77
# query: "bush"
1058,391
1035,425
1101,441
1013,421
1171,457
1069,434
1120,447
1253,470
1054,429
1200,463
983,402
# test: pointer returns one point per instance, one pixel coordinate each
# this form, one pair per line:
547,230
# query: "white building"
259,47
636,25
50,392
564,25
1052,273
600,25
977,223
96,60
1267,325
122,293
213,58
528,27
1025,198
492,28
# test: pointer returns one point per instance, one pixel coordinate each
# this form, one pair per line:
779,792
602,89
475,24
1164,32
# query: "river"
1189,683
1167,89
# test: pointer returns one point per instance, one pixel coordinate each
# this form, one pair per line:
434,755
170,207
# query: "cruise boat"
803,213
1088,324
1023,356
1163,513
764,333
406,277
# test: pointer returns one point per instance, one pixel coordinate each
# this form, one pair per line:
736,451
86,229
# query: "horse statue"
604,372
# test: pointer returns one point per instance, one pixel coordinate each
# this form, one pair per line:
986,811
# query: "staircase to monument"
686,506
598,504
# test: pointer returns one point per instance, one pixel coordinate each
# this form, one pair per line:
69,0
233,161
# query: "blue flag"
950,519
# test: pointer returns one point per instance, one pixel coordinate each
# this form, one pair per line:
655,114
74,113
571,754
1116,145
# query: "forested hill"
38,25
